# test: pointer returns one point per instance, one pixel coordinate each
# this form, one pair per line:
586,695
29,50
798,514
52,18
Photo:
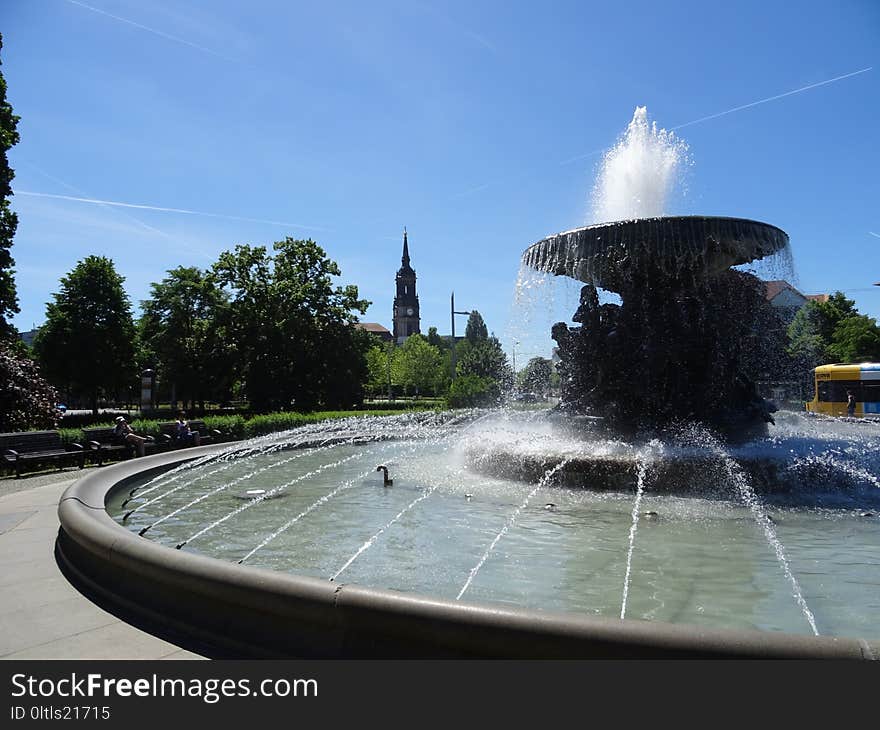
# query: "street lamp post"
452,320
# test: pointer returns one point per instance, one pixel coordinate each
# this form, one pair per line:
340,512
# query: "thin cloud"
876,235
161,209
154,31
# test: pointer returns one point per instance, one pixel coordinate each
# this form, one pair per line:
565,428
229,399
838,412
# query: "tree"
87,345
485,359
472,390
820,332
27,401
441,343
184,328
421,365
535,377
855,339
293,331
8,219
476,330
811,332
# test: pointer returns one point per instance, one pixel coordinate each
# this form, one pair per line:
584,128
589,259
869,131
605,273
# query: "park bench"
168,434
100,443
19,449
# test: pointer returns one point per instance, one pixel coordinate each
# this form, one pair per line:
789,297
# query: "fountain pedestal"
690,335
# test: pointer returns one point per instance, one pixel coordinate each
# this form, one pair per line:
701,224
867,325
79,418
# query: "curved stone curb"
240,611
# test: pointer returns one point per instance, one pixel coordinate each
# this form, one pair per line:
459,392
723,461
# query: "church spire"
404,260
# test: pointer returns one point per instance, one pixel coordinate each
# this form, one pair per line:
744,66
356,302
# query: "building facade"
406,301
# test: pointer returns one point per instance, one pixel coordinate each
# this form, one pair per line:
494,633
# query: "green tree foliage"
536,376
485,359
441,343
472,390
295,343
421,366
378,357
811,333
87,346
183,331
8,219
856,339
27,401
476,330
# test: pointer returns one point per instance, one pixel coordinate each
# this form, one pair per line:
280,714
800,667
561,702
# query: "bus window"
834,391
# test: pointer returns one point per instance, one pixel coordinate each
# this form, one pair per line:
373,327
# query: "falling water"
439,439
640,488
263,497
639,172
748,495
369,543
548,475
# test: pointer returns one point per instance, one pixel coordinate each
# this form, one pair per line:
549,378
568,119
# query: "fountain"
652,515
688,337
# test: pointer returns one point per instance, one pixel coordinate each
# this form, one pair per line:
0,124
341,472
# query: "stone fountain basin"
607,254
227,610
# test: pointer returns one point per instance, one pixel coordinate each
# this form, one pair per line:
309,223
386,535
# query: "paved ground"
41,615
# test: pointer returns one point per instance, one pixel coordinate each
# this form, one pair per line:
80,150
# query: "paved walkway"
41,615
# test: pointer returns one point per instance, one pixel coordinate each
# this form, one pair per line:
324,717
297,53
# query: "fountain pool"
806,559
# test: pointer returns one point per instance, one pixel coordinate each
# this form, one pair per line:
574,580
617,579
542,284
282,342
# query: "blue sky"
477,125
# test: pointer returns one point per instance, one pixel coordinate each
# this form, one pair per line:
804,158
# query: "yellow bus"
833,381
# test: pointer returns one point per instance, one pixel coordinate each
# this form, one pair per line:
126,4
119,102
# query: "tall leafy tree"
485,359
295,343
811,333
476,330
437,341
183,328
421,365
536,376
856,338
8,219
87,346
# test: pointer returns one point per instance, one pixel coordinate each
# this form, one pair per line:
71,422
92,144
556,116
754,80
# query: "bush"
27,401
235,428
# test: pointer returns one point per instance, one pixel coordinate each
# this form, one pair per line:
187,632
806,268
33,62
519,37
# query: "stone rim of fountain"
227,610
599,254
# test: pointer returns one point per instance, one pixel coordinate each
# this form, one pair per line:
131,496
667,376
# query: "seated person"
124,434
183,435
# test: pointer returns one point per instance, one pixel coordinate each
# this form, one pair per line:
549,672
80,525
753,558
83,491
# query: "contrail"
774,98
159,33
171,210
876,235
735,109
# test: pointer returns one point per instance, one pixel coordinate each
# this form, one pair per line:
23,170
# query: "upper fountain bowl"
610,254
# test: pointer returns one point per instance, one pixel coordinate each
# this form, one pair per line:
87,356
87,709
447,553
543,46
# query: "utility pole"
452,314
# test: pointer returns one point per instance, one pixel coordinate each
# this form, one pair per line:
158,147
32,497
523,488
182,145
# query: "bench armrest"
93,445
10,454
74,447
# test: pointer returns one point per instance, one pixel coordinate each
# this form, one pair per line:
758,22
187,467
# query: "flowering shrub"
26,400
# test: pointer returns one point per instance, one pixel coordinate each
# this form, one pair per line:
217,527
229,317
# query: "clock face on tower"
409,311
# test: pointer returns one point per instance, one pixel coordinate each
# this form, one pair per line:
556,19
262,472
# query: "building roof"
775,288
372,327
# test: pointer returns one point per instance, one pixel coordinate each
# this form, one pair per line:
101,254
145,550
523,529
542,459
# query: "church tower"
406,302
